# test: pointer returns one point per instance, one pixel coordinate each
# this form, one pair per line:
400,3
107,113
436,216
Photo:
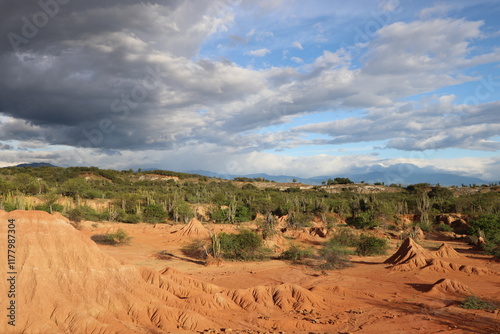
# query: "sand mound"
411,256
443,266
450,287
414,262
446,251
287,297
65,284
194,229
409,252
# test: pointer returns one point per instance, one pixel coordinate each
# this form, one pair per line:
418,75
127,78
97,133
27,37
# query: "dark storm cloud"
89,72
125,75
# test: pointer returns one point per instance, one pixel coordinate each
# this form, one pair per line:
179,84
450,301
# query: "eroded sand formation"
66,283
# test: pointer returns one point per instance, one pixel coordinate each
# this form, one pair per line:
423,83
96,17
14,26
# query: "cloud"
118,90
104,85
5,146
437,10
439,45
259,52
436,126
122,76
226,161
297,45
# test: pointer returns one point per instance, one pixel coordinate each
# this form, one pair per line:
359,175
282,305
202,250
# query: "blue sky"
301,88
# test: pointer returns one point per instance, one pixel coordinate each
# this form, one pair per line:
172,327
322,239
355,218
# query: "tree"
29,185
182,211
5,187
339,180
154,213
76,187
246,245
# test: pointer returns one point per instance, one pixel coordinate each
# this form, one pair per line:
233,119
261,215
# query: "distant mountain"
35,164
275,178
403,174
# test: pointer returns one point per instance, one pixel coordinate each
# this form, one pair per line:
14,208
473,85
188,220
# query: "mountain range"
403,174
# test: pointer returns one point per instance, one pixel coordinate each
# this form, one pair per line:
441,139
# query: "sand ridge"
69,284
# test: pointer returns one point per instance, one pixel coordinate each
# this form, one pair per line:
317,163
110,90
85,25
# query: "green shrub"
295,253
444,228
345,237
476,303
362,222
196,249
85,212
120,237
154,213
8,206
488,225
50,208
243,214
300,219
369,245
334,256
130,219
219,215
246,245
182,211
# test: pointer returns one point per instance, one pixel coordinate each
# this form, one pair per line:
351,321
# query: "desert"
69,278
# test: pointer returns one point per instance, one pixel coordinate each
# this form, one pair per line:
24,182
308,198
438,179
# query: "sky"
303,88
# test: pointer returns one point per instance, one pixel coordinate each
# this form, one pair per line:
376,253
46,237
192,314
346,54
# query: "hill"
403,174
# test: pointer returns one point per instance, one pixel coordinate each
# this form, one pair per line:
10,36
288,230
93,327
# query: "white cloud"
435,126
259,52
437,10
106,54
297,45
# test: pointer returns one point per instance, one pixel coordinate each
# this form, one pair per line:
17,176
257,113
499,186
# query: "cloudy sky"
305,88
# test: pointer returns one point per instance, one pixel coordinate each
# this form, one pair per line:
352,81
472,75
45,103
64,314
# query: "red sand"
66,283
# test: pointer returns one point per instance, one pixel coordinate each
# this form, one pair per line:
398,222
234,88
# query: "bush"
219,216
339,180
83,213
154,213
444,228
196,249
345,237
130,219
369,245
50,208
334,256
489,224
8,206
243,214
246,245
300,219
120,237
476,303
362,222
295,253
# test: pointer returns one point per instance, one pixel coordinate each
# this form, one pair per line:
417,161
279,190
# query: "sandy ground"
368,297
